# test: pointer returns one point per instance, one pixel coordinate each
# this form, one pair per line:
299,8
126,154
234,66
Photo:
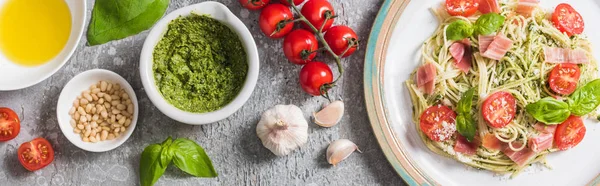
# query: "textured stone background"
236,152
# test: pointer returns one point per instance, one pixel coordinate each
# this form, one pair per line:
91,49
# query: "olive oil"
32,32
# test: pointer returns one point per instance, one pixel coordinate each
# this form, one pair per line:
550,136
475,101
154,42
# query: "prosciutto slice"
465,147
461,52
541,142
488,6
526,7
492,143
484,43
564,55
521,157
425,78
498,48
543,128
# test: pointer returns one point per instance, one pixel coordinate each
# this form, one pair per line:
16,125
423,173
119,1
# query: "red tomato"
313,76
299,46
275,20
296,2
463,8
36,154
569,133
339,38
499,109
438,122
254,4
567,20
563,78
10,126
315,11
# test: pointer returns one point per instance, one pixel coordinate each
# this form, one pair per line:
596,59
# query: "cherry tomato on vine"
463,8
10,126
296,2
36,154
275,20
317,11
567,19
299,46
254,4
339,38
313,76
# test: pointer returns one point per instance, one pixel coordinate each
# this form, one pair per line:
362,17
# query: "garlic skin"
282,129
340,150
330,115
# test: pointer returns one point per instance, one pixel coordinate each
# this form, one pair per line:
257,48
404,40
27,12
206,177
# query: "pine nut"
94,110
106,105
88,127
80,126
115,102
86,139
104,135
117,130
125,95
72,111
127,122
107,97
122,129
122,121
116,111
76,131
94,124
76,115
87,133
95,117
104,114
110,136
121,107
109,87
88,97
88,108
88,117
81,110
103,85
73,122
101,100
93,133
105,129
83,101
95,90
76,103
82,119
93,139
112,118
94,97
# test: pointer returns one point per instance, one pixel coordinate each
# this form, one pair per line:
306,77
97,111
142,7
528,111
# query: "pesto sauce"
200,64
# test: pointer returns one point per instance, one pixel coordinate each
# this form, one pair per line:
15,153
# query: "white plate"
74,88
13,76
577,166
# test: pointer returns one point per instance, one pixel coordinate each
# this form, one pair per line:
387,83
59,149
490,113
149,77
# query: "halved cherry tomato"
275,20
313,76
499,109
296,2
567,19
438,122
254,4
10,126
569,133
463,8
36,154
316,12
563,78
299,46
339,38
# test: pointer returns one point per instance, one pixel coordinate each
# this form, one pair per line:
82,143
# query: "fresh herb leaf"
465,124
458,30
549,111
488,23
150,166
166,155
191,158
585,99
117,19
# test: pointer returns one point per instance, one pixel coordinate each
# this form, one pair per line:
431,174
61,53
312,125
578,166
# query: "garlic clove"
340,150
330,115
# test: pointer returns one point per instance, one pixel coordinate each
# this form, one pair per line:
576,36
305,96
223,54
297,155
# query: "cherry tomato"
299,46
254,4
10,126
567,20
274,20
316,12
36,154
463,8
569,133
314,75
563,78
499,109
339,38
296,2
438,122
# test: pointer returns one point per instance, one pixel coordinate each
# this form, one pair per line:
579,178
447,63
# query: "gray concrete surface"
236,151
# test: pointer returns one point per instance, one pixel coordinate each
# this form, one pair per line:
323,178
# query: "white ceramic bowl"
15,77
219,12
75,87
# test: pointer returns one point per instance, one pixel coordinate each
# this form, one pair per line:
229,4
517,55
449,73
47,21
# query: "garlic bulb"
282,129
340,150
330,115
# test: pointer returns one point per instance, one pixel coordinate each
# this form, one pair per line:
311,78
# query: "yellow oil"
32,32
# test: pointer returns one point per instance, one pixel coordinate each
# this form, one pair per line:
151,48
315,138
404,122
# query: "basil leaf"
117,19
166,155
458,30
585,99
488,23
150,166
549,111
465,124
191,158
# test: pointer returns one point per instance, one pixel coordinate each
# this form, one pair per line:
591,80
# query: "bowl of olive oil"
37,37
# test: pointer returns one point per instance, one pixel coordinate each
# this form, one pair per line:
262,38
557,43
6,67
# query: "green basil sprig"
458,30
184,153
485,24
465,124
585,99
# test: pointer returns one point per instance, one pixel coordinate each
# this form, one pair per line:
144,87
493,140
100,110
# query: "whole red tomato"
317,11
275,20
299,46
313,76
296,2
339,38
254,4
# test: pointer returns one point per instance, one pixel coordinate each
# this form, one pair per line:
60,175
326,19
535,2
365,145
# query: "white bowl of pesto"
199,64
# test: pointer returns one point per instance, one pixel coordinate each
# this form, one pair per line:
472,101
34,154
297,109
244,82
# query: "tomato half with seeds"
10,125
564,77
296,2
313,76
463,8
254,4
317,11
275,20
36,154
339,38
569,133
499,109
438,122
566,19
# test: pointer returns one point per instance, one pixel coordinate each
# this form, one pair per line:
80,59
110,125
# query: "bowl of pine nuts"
97,110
